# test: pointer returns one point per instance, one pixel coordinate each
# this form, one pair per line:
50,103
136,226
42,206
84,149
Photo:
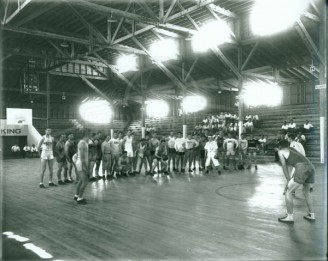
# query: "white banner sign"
12,130
320,86
19,116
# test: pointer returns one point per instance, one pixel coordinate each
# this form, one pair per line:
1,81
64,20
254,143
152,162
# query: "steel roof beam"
105,10
308,41
18,11
168,12
93,87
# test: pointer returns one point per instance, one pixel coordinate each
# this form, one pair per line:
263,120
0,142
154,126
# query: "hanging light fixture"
64,44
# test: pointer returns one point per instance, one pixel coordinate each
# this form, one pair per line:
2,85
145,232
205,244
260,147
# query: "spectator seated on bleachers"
301,138
292,126
249,126
263,142
284,127
307,127
256,120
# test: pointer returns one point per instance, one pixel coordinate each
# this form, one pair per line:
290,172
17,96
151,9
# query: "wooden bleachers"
271,120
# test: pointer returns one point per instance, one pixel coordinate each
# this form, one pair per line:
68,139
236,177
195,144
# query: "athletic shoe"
42,186
75,198
219,172
309,217
190,170
286,219
81,202
193,168
70,180
51,184
206,171
311,189
249,167
256,167
60,182
66,181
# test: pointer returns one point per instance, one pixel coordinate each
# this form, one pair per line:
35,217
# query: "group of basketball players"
120,155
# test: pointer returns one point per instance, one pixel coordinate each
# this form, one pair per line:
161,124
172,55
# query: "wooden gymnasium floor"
189,217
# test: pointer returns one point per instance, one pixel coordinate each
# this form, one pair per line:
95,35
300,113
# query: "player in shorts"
171,150
45,149
189,153
179,146
160,153
99,156
70,150
253,148
106,158
304,175
129,147
141,149
220,140
115,150
81,161
153,144
61,159
211,148
92,155
230,145
242,150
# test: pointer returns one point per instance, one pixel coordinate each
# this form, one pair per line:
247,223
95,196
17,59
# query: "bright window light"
157,108
192,104
262,94
126,63
272,16
210,35
164,50
96,111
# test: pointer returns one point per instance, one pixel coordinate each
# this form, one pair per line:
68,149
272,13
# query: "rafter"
121,22
93,87
221,11
148,9
114,70
90,27
160,65
18,11
191,69
268,77
105,10
308,40
5,12
190,10
168,12
311,16
161,10
250,55
71,39
34,15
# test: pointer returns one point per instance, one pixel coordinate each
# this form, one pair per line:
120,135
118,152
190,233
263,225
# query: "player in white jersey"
45,149
211,154
115,150
171,150
180,149
81,161
230,144
242,150
189,154
128,144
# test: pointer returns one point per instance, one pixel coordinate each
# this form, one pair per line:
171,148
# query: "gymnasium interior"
161,66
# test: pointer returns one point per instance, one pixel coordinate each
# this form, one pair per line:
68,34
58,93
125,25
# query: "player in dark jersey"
99,141
304,175
253,148
92,155
70,150
61,159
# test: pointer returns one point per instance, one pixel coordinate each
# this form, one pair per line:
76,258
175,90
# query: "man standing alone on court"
81,161
304,175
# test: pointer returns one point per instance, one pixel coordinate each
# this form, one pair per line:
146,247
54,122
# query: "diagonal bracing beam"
18,11
168,12
250,55
96,89
308,40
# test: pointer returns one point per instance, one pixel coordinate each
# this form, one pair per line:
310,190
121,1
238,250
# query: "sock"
50,182
290,216
41,183
312,215
76,196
